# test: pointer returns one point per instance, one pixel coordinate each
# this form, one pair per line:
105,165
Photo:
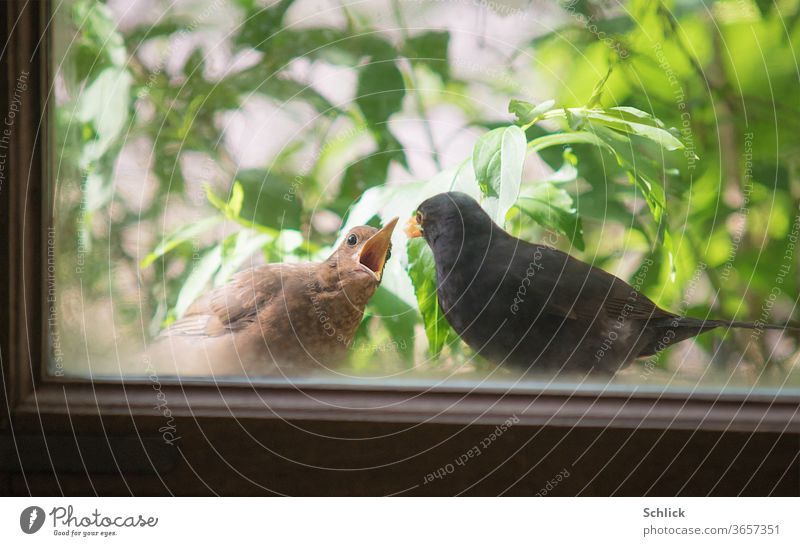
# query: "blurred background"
162,106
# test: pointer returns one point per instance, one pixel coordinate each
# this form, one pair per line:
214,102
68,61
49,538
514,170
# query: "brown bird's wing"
236,305
570,288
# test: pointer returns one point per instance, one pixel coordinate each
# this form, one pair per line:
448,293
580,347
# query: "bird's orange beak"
413,229
373,254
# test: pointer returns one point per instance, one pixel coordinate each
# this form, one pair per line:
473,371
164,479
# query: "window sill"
627,408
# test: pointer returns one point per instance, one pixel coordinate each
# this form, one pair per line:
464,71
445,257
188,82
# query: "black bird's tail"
668,331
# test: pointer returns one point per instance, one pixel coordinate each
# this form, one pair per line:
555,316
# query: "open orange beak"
374,253
413,229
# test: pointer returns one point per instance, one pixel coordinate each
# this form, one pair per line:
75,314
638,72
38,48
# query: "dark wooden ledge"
398,403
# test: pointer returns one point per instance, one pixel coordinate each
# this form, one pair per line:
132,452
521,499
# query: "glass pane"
215,159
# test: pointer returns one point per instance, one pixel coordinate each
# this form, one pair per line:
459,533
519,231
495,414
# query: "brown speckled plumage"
279,319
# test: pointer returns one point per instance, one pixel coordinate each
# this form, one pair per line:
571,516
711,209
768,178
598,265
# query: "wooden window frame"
33,398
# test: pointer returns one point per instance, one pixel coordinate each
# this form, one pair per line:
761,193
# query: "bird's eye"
419,217
352,239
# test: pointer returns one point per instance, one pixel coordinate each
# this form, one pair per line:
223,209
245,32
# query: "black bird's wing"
569,288
236,305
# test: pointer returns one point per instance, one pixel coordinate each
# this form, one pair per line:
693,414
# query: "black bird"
535,307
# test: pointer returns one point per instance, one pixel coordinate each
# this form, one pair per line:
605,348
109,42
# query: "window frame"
31,395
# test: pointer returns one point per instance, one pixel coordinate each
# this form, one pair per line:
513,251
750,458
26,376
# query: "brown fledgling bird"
536,308
278,318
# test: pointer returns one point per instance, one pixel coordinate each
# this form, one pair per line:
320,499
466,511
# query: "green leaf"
167,166
642,171
262,200
286,89
272,199
617,120
497,160
246,243
399,319
179,236
563,139
568,172
258,79
193,66
380,91
624,119
219,204
632,114
199,279
528,113
236,199
104,106
281,44
422,271
99,27
261,24
99,44
372,169
148,31
97,189
553,208
647,175
430,48
597,93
